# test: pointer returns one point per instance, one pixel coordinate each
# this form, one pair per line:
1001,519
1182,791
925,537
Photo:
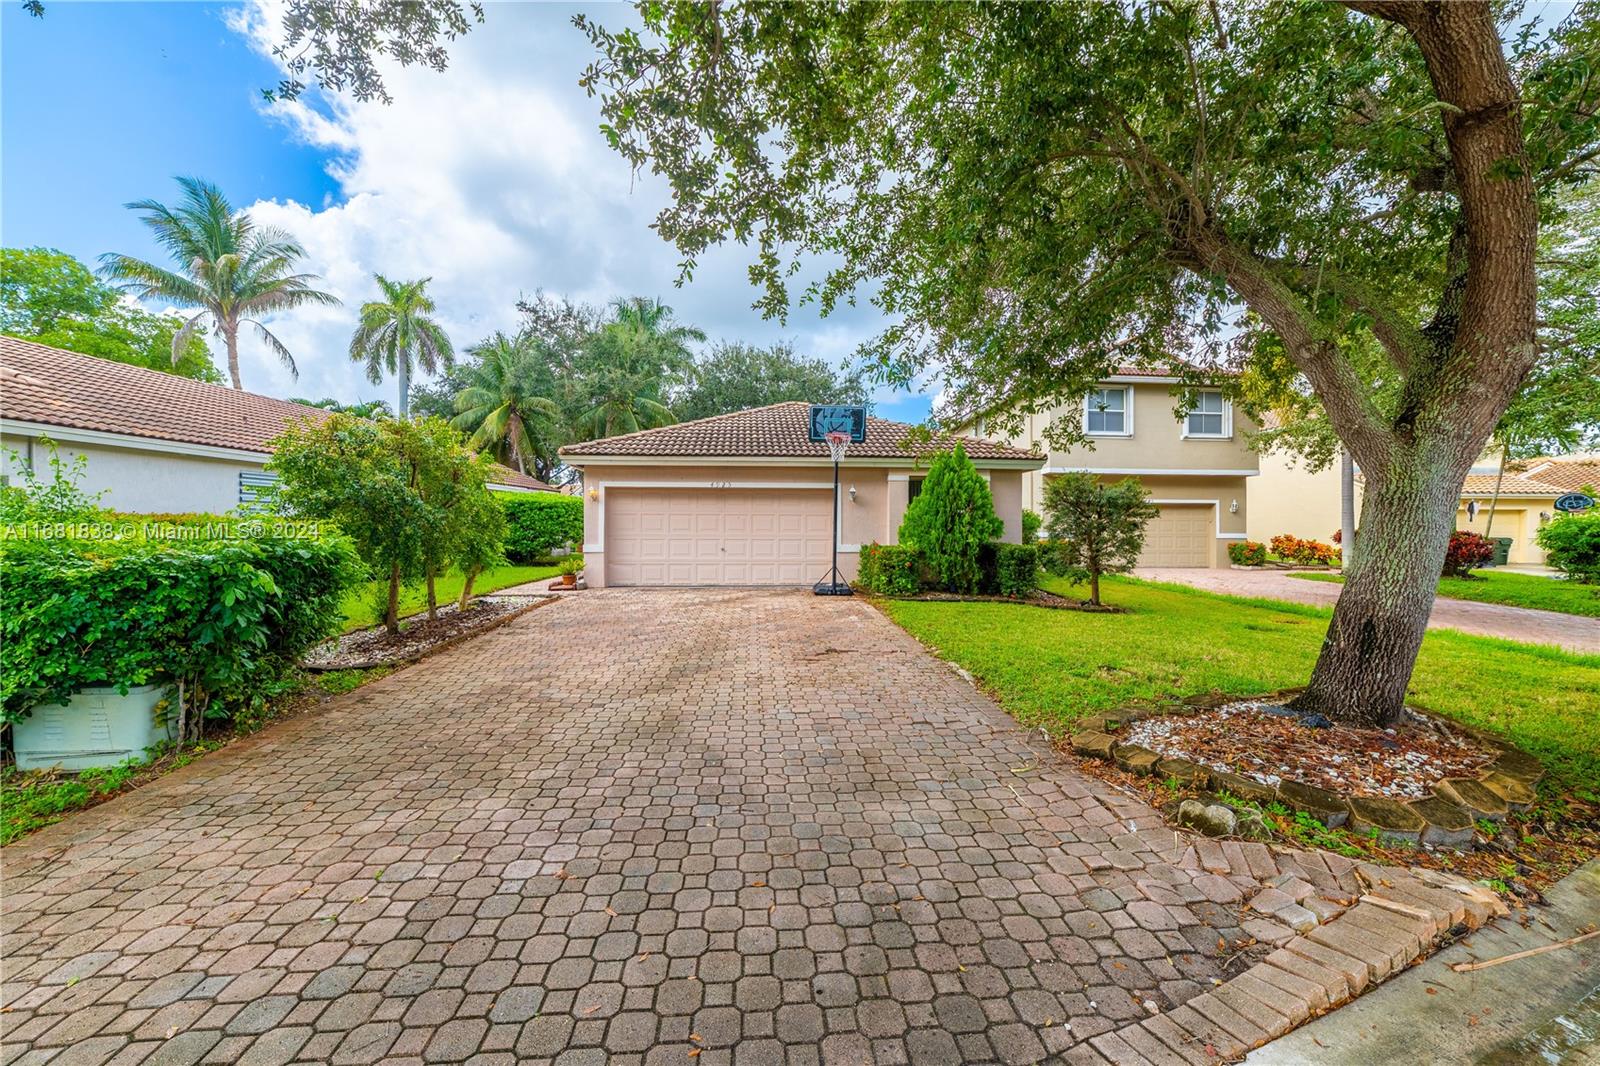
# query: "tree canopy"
49,297
733,376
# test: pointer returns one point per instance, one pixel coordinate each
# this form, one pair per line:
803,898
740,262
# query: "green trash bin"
1502,551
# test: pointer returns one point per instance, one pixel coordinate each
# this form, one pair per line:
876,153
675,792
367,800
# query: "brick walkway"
620,829
1569,631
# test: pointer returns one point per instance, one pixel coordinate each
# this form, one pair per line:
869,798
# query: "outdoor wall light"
594,494
1233,508
852,494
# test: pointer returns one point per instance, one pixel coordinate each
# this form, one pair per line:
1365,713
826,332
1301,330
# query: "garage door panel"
717,537
1180,535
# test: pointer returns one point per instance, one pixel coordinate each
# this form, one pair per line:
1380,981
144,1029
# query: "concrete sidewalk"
1544,1009
1567,631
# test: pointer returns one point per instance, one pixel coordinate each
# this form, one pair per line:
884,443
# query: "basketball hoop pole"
834,584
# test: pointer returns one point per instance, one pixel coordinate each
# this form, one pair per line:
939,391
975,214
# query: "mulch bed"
418,635
1262,740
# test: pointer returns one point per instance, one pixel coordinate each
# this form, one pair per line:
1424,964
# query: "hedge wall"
227,616
539,522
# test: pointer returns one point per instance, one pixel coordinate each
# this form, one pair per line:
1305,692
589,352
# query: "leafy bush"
1031,522
1097,528
226,618
1466,551
951,520
1572,545
572,564
889,570
537,522
1247,553
1016,569
1305,552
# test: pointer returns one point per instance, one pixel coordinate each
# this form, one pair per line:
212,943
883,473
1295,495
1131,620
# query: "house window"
1105,413
913,490
1208,417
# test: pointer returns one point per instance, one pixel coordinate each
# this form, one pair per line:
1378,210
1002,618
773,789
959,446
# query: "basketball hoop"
837,442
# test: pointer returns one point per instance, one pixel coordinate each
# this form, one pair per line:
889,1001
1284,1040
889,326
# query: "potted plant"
569,568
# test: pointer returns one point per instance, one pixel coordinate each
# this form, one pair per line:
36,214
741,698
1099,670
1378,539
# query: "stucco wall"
873,515
140,481
1517,517
1225,496
1289,498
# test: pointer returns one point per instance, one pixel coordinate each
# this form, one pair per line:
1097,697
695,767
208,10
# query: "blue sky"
490,177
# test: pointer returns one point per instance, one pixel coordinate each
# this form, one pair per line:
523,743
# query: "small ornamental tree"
1096,528
1465,552
951,519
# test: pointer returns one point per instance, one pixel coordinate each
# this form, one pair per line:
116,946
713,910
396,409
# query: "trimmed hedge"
1016,569
1247,553
889,570
228,617
539,522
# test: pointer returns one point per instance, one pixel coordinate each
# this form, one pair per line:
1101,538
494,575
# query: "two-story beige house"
1195,467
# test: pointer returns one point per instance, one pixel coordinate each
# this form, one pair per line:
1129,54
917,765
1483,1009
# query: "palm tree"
499,406
396,330
628,362
368,409
228,268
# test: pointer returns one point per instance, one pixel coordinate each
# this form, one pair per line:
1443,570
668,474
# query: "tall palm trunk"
230,337
1499,480
405,387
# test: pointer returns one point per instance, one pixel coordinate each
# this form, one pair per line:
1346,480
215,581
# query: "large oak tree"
1036,193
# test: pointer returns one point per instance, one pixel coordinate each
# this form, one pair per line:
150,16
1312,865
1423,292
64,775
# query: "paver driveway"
623,827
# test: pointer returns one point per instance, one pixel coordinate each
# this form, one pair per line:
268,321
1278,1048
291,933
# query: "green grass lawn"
1512,589
1050,667
358,610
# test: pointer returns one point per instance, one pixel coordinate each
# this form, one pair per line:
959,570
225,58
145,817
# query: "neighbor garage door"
1179,536
717,536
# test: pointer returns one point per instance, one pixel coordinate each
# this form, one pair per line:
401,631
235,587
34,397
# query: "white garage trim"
1216,515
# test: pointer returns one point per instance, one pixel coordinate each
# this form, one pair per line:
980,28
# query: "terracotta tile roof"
60,388
780,432
1483,485
1566,474
505,475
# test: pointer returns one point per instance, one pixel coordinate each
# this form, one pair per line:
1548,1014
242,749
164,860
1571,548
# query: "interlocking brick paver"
636,823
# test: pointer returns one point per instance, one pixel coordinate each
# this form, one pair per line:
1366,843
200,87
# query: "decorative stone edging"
1337,927
1444,819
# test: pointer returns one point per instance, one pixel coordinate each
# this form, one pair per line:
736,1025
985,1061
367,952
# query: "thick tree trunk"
1094,587
391,613
230,338
1372,643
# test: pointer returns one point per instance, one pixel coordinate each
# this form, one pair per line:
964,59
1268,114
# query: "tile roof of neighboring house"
780,432
504,475
1514,485
60,388
1567,474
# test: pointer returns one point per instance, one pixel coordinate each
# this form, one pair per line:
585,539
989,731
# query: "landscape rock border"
418,655
1446,818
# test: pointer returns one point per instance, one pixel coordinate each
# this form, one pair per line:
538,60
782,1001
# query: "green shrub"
1247,553
1031,522
226,617
889,570
951,520
1016,569
538,522
58,500
1572,545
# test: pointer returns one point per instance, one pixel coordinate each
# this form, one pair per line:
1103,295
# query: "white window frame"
1227,419
1127,411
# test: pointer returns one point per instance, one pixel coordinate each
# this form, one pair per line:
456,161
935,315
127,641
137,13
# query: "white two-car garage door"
1179,536
717,536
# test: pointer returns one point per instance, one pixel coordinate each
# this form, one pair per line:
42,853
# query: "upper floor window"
1106,412
1210,416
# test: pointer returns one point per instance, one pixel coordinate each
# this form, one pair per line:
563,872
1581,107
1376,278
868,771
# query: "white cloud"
493,179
